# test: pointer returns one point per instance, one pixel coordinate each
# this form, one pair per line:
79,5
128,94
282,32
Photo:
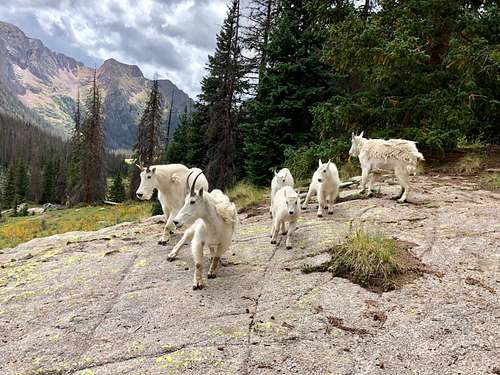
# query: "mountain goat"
398,155
215,223
285,209
326,183
280,179
170,180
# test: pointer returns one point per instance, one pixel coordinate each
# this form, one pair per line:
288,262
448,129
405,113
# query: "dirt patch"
338,323
472,281
253,210
410,268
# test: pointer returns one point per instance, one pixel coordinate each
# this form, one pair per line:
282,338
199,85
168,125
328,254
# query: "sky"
170,38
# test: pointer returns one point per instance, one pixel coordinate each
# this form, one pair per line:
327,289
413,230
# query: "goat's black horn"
187,180
194,183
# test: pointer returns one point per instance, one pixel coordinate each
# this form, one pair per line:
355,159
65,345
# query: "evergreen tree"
92,168
21,180
117,191
147,148
9,191
74,191
49,182
222,91
295,80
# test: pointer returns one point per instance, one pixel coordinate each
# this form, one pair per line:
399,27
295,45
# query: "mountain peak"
114,66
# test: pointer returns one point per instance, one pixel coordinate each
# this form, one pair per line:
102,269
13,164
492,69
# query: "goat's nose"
139,195
291,212
176,222
319,180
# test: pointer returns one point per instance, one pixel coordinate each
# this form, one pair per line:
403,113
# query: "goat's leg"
215,261
321,203
364,179
275,231
187,236
197,251
331,200
283,229
371,180
402,176
166,230
308,196
291,230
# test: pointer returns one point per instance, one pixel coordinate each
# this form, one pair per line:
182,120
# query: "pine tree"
74,191
49,182
9,192
117,191
147,148
92,168
222,91
295,80
21,180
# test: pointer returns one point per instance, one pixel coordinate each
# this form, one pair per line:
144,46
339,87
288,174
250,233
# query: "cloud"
171,38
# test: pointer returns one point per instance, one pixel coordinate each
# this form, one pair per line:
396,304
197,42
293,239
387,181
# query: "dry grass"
349,169
468,165
246,195
16,230
490,181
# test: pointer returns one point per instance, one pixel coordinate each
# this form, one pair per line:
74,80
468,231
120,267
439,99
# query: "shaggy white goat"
280,179
398,155
215,223
285,209
172,182
326,183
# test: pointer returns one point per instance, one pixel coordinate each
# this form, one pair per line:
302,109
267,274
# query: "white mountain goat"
285,209
280,179
326,183
215,223
398,155
170,180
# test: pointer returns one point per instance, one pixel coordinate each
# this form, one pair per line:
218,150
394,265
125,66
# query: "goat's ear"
275,173
141,168
352,135
200,192
320,163
153,170
329,161
362,133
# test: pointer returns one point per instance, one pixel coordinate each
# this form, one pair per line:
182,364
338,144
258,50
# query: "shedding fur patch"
398,149
224,207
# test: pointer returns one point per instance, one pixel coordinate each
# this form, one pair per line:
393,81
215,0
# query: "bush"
245,195
303,161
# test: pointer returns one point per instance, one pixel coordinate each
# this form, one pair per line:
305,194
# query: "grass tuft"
246,195
490,181
349,169
468,165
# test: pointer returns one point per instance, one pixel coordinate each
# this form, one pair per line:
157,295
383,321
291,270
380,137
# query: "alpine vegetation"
215,220
285,209
326,184
280,179
398,155
170,180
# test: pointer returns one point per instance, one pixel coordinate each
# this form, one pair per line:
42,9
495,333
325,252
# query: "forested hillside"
293,83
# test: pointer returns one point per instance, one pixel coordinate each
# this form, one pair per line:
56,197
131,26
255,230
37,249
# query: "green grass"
367,259
16,230
349,169
246,195
490,181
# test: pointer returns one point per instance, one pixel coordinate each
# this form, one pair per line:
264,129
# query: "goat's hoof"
320,215
288,247
401,200
284,233
304,207
170,258
211,275
330,212
162,242
273,242
198,286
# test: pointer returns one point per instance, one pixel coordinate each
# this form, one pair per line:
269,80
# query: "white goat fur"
216,221
280,179
398,155
285,209
326,183
170,181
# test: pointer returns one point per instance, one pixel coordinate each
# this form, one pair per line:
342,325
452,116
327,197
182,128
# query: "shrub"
468,165
245,195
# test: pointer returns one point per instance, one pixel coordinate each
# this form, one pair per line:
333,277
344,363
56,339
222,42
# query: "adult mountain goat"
170,180
326,183
285,209
215,223
398,155
280,179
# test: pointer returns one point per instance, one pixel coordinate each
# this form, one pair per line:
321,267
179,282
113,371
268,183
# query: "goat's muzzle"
177,223
140,195
291,212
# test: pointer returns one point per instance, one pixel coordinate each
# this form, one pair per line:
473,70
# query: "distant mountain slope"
37,83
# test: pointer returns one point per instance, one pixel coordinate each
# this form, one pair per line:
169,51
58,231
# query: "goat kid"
215,220
285,209
326,183
280,179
